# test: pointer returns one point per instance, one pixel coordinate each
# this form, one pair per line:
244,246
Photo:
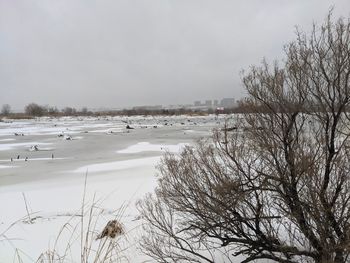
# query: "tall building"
197,103
228,103
208,103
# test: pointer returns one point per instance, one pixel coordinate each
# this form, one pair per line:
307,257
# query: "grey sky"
116,53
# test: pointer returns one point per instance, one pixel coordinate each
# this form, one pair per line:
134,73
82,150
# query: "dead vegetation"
95,245
279,189
86,237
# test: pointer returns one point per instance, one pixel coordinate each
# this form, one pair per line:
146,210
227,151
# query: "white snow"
55,202
5,166
7,140
10,146
114,130
118,165
35,159
54,190
148,147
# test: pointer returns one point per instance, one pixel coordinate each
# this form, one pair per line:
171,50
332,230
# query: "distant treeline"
244,106
35,110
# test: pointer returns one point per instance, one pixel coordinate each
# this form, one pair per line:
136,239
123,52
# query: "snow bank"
148,147
9,146
118,165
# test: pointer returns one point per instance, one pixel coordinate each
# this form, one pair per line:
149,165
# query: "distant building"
214,104
197,103
208,103
155,107
228,102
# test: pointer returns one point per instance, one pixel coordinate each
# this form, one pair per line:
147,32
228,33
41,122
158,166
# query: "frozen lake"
43,166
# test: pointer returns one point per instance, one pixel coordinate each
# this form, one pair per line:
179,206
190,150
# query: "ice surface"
5,166
7,140
118,165
10,146
121,170
148,147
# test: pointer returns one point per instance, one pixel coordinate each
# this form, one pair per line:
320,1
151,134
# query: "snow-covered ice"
10,146
118,165
120,170
148,147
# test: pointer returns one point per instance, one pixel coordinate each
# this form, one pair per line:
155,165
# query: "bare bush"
69,111
34,109
84,234
52,110
277,186
6,109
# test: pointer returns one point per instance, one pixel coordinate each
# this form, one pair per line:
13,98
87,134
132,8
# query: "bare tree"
69,111
6,109
52,110
34,109
275,187
84,111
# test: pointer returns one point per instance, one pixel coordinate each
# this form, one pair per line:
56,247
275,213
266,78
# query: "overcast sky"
117,53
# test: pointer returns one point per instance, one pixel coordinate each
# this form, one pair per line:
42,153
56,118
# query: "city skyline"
197,104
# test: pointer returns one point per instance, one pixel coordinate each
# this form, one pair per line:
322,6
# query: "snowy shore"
43,164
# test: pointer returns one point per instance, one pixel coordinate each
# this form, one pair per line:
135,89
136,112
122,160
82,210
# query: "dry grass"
87,237
84,236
